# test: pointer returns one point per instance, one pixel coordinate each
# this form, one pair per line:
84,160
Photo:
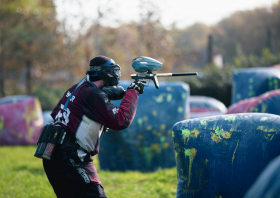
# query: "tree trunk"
2,56
28,62
2,82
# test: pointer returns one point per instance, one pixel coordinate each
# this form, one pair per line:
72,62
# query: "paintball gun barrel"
147,64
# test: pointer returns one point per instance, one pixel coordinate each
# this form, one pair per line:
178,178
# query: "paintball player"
84,113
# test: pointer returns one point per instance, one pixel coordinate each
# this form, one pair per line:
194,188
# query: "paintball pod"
146,64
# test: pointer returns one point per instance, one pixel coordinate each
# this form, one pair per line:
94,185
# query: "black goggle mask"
108,67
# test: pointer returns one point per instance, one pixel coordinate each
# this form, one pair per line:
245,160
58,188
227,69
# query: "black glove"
114,92
138,85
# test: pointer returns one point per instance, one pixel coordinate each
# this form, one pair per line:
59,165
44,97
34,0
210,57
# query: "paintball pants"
71,177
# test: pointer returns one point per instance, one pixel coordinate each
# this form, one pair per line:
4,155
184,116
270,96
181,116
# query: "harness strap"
79,84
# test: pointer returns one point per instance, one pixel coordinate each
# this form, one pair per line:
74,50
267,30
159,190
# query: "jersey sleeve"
99,108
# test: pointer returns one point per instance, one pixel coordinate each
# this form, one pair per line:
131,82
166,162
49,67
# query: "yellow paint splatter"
189,134
219,135
264,118
230,118
203,122
191,153
148,128
264,107
234,152
30,114
162,127
269,136
195,133
154,113
155,148
226,135
215,137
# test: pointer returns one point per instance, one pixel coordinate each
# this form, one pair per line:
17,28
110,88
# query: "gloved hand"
114,92
138,85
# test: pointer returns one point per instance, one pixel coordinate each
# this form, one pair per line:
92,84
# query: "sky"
183,12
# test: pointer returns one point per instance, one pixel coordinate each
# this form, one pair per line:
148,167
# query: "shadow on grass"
35,171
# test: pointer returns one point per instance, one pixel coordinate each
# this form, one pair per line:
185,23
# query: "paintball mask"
109,71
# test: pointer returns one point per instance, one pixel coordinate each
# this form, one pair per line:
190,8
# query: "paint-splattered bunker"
221,156
251,82
147,144
21,120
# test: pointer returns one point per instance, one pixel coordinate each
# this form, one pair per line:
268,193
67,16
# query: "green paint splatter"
180,109
1,122
203,122
230,118
264,118
148,155
140,121
159,99
168,88
219,131
176,154
251,80
173,134
238,96
186,133
162,139
183,96
191,154
169,97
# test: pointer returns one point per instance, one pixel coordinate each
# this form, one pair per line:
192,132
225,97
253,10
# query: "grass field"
22,176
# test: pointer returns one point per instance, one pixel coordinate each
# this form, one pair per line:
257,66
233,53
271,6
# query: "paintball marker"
147,64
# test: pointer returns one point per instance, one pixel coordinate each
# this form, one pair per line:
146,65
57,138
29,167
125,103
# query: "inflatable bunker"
268,102
267,184
21,120
221,156
202,106
251,82
147,143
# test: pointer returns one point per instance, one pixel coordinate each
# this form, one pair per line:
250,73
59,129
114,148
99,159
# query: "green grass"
22,175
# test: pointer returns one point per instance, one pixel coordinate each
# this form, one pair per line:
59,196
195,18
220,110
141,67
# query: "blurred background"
46,45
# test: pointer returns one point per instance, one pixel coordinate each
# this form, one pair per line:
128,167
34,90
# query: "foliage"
247,32
213,82
32,42
267,60
48,97
22,175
